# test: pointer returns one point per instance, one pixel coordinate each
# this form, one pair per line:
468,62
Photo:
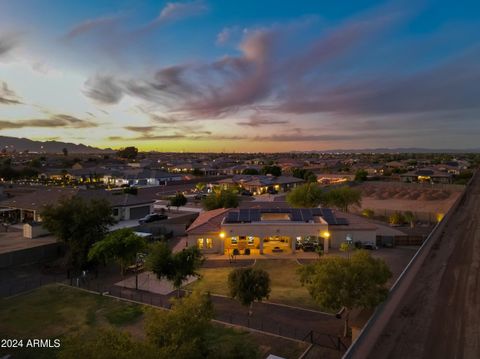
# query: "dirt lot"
441,312
405,197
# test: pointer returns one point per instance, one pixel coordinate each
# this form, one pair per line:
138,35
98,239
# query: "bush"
396,218
369,213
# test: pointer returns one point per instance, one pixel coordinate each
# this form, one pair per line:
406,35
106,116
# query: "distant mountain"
22,144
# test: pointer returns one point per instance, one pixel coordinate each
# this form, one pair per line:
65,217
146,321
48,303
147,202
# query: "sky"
242,76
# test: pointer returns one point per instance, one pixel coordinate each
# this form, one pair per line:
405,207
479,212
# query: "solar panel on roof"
296,215
255,215
244,215
306,214
342,221
317,211
232,217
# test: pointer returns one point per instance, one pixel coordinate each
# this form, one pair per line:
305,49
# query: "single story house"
27,207
427,175
258,184
275,230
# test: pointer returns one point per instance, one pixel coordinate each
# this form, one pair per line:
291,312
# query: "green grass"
285,282
124,315
55,311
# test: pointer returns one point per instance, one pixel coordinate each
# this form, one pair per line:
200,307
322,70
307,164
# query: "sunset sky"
241,75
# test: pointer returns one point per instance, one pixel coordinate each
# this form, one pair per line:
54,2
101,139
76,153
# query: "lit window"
234,240
209,243
250,241
200,243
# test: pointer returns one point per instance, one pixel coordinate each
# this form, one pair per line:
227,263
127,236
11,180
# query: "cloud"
8,96
103,89
147,137
174,11
90,25
142,129
7,43
225,35
454,85
257,120
56,120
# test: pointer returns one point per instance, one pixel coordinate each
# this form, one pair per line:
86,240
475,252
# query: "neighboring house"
427,175
27,207
124,206
259,184
238,169
275,230
143,177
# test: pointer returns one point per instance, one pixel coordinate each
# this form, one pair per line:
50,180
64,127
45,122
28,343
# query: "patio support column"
261,245
326,245
292,244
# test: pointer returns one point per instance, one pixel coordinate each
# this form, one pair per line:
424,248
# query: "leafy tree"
178,200
305,174
410,218
307,195
200,186
183,331
129,153
79,224
248,285
355,282
396,218
65,151
220,199
369,213
186,332
175,267
361,175
120,246
343,197
272,170
250,171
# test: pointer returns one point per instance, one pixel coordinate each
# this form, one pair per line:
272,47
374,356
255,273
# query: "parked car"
308,247
369,246
153,217
246,193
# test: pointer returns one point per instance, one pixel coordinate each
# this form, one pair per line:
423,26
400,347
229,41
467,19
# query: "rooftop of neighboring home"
37,199
260,180
430,172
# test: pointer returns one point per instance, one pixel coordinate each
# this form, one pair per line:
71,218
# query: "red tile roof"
208,222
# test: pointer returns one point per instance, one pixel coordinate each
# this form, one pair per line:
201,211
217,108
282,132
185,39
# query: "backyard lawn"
285,282
55,311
